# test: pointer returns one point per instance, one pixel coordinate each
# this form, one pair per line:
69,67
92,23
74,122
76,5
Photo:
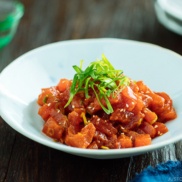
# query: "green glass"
10,15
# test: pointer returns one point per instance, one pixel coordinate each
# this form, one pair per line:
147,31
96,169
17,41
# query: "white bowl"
22,80
169,14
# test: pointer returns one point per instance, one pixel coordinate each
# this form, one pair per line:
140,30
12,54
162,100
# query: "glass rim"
12,17
17,12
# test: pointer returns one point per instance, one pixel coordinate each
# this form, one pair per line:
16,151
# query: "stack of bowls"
169,14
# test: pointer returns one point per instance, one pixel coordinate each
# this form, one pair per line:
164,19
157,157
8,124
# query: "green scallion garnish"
102,78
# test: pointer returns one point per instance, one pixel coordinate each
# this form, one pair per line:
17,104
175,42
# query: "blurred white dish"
169,13
22,80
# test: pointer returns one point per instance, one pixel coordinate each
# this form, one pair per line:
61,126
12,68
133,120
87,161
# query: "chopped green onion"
84,118
45,99
102,78
104,147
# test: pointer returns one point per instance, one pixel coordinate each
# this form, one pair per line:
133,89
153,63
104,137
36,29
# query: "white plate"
22,80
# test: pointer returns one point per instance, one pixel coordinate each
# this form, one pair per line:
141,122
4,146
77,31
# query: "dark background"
45,22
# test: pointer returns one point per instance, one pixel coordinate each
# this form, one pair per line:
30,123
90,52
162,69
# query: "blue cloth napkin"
169,171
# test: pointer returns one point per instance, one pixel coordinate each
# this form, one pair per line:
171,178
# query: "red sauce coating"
139,116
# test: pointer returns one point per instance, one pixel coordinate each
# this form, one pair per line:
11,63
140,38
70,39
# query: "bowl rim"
166,6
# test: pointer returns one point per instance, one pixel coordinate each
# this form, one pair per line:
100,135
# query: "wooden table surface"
23,160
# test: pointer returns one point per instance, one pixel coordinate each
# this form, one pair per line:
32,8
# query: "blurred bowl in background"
10,15
169,14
